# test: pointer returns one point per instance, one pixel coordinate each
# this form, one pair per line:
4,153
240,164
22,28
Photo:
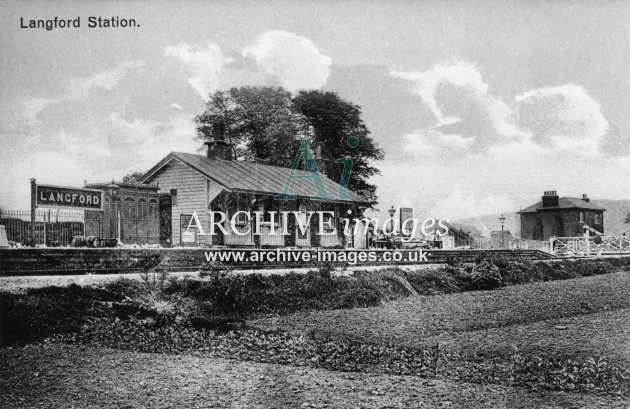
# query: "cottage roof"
254,177
563,203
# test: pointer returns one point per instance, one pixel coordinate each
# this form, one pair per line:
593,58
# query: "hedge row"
226,299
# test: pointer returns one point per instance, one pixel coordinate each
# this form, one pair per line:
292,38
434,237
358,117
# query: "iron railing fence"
52,227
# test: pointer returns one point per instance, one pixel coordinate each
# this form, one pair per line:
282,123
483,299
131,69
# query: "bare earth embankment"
310,358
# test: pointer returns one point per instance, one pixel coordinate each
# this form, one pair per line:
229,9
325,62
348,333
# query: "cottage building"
197,184
556,216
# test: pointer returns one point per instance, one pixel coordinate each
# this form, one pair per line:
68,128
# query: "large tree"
266,125
262,124
133,177
340,131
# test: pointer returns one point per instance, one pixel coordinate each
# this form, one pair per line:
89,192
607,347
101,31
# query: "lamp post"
392,212
502,220
112,189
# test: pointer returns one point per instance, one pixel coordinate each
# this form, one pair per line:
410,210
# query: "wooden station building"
216,182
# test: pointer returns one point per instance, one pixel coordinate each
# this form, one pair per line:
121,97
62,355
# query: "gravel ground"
19,283
64,376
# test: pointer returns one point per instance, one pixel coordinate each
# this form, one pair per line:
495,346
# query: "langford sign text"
57,196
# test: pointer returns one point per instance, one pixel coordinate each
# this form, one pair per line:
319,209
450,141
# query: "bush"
44,311
440,280
210,268
486,276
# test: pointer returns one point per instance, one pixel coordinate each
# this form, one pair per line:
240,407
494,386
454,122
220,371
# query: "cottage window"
596,220
581,217
129,208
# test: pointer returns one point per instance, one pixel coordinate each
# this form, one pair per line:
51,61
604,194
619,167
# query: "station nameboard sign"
76,198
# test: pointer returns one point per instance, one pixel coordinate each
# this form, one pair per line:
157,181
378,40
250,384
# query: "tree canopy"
133,177
266,125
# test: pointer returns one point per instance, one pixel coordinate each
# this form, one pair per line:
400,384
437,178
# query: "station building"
190,183
131,212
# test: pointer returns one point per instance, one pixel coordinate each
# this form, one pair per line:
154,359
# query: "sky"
478,106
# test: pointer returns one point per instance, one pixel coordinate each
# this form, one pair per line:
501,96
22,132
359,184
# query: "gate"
589,246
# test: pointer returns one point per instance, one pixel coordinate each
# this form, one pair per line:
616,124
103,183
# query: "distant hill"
614,216
489,223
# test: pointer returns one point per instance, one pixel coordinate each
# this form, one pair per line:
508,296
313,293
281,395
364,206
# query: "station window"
153,209
143,209
129,208
329,221
173,197
267,206
241,204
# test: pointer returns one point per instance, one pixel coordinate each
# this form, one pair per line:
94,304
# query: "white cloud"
80,87
205,64
565,117
466,77
33,107
294,60
427,82
459,206
470,119
419,143
466,115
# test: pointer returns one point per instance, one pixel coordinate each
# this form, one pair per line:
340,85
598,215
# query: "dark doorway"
166,228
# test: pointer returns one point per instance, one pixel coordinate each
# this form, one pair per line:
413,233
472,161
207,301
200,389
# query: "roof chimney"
218,147
585,197
319,159
550,199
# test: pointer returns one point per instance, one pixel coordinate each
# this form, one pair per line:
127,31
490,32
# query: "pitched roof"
255,177
563,203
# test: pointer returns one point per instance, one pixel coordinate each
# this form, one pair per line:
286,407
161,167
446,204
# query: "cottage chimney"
218,147
550,199
585,197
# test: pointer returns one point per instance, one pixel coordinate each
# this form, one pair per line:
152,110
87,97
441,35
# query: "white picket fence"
589,246
522,244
